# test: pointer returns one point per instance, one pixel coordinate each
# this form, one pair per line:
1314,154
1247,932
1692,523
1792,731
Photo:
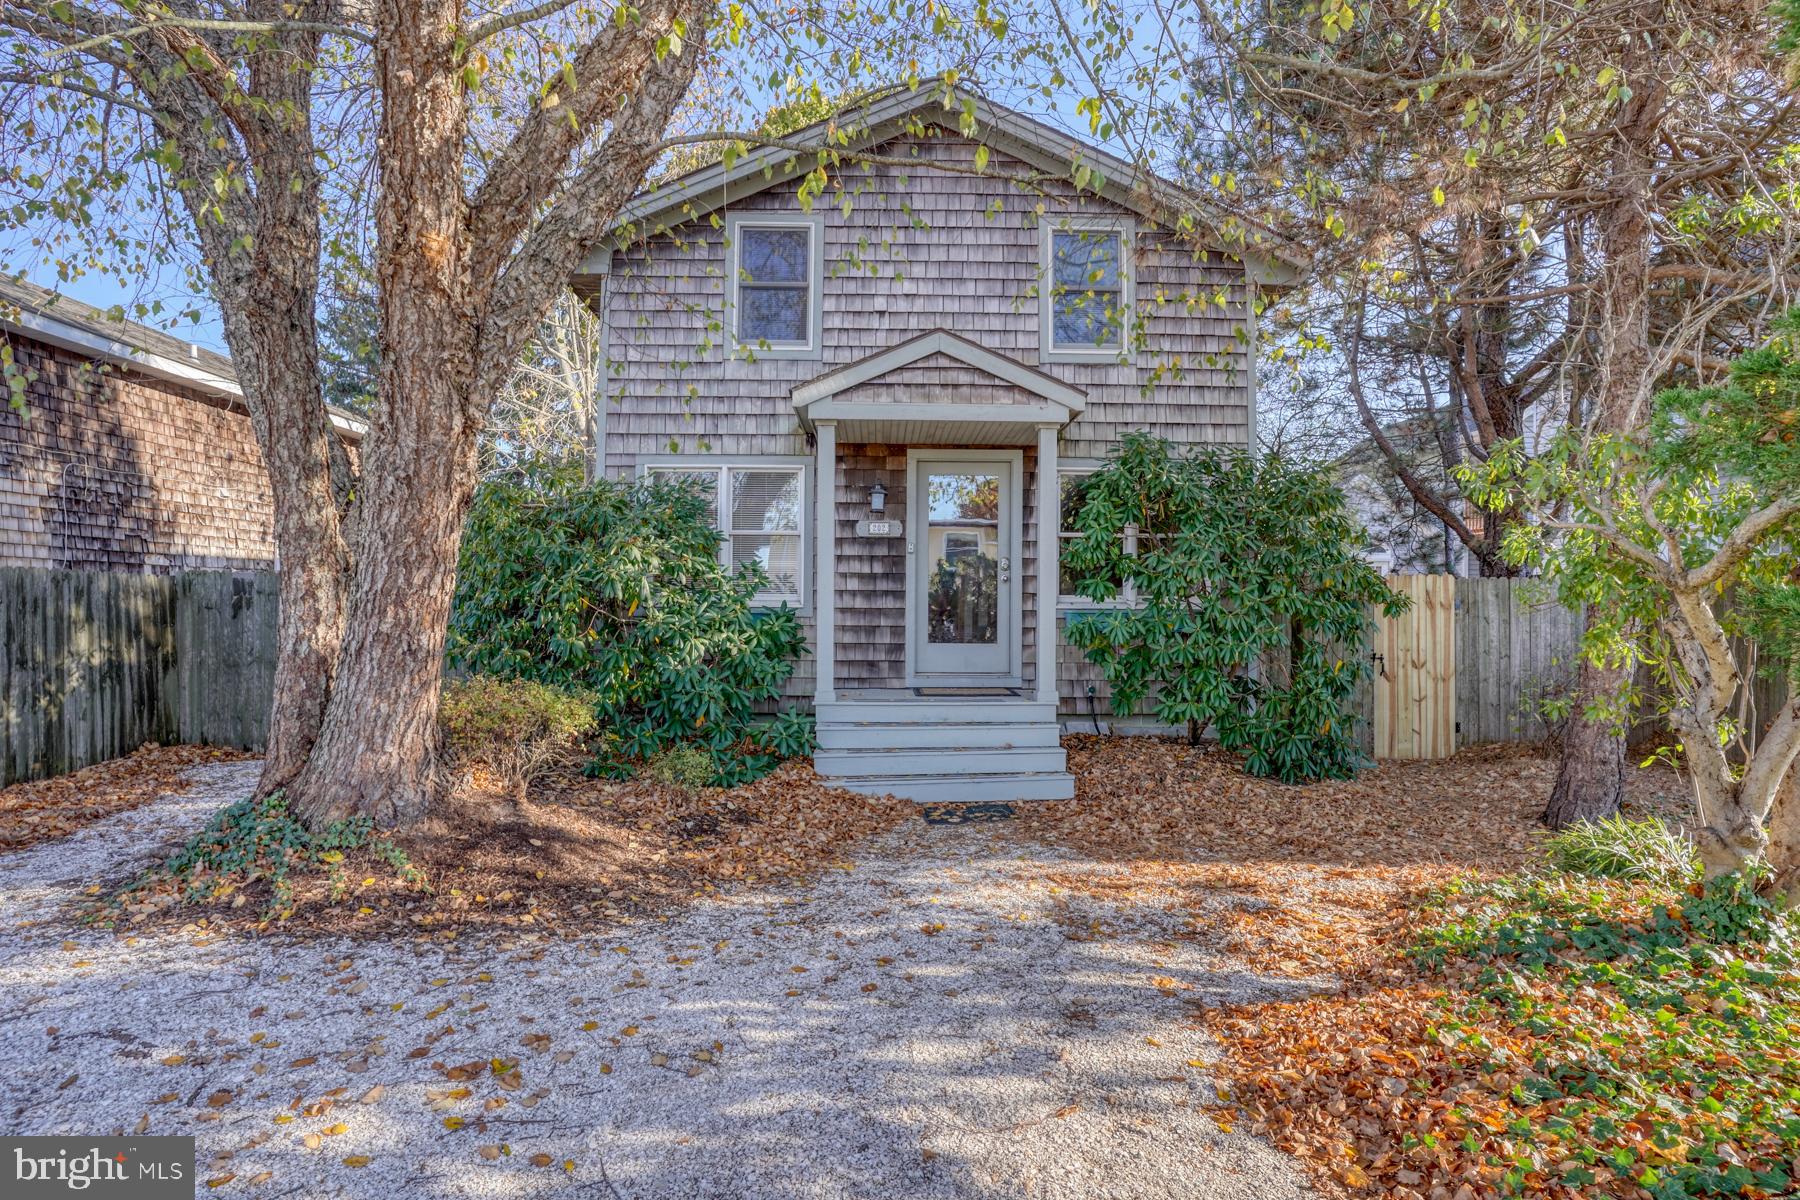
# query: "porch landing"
943,745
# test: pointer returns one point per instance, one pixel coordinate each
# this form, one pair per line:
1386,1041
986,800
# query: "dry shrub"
514,728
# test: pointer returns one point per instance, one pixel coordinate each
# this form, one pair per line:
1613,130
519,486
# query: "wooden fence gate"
1415,671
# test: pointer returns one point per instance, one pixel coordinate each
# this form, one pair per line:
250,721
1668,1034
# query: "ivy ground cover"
1545,1035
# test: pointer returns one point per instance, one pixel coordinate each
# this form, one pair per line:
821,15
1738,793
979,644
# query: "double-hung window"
759,510
1087,276
1071,481
775,278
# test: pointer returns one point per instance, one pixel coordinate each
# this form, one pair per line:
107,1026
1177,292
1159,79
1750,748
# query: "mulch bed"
52,808
577,855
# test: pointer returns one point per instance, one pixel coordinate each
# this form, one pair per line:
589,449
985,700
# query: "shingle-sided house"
132,450
894,390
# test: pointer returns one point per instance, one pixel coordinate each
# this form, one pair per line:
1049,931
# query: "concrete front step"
953,762
966,789
912,735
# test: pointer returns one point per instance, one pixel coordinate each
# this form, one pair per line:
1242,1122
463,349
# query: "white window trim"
800,601
1067,602
815,270
1048,350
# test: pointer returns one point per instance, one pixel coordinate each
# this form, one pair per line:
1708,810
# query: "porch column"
1049,553
825,563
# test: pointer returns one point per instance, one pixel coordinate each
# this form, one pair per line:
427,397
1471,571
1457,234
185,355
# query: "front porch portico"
937,571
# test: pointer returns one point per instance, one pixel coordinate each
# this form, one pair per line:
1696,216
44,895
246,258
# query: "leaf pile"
52,808
574,855
1157,798
782,826
1543,1037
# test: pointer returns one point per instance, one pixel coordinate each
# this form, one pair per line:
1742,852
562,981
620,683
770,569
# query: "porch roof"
938,388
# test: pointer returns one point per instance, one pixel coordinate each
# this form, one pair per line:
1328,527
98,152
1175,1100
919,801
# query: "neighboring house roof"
47,316
1274,261
1409,434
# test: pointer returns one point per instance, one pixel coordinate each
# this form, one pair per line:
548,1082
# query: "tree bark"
293,428
1590,776
261,248
376,752
1784,840
314,564
463,285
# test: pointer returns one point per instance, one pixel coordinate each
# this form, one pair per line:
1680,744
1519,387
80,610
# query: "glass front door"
964,539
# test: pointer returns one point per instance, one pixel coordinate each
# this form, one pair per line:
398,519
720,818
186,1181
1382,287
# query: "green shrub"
1238,561
1617,848
793,734
261,840
683,764
514,727
618,589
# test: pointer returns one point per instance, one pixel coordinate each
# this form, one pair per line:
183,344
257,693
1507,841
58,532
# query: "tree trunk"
314,567
266,279
376,754
1590,778
1784,840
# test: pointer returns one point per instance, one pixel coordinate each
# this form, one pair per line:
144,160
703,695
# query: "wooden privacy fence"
1464,665
1471,661
93,665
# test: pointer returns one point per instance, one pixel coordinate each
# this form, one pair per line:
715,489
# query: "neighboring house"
893,394
1406,538
133,451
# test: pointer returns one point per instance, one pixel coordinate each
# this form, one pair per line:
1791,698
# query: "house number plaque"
878,527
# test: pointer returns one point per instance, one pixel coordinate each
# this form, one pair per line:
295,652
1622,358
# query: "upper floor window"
775,284
1088,278
759,509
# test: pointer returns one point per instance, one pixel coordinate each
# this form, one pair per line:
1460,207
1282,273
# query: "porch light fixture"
877,500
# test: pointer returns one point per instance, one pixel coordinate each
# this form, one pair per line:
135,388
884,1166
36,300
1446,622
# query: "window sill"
746,353
1106,355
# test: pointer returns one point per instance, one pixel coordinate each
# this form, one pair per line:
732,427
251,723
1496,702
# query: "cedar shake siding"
871,572
114,471
920,250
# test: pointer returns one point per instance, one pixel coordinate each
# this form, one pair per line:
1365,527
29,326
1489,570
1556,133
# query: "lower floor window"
1071,482
759,511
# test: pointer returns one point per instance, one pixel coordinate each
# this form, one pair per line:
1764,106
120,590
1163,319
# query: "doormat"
965,691
964,814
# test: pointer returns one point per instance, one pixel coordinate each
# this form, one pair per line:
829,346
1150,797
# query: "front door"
963,544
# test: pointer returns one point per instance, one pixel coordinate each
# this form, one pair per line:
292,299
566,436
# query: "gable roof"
1271,259
997,401
44,315
939,342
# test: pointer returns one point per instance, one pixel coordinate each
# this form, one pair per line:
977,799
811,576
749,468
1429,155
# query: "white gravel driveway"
935,1021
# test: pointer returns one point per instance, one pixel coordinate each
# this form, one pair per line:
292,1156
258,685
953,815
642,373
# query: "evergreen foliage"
618,589
1238,561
